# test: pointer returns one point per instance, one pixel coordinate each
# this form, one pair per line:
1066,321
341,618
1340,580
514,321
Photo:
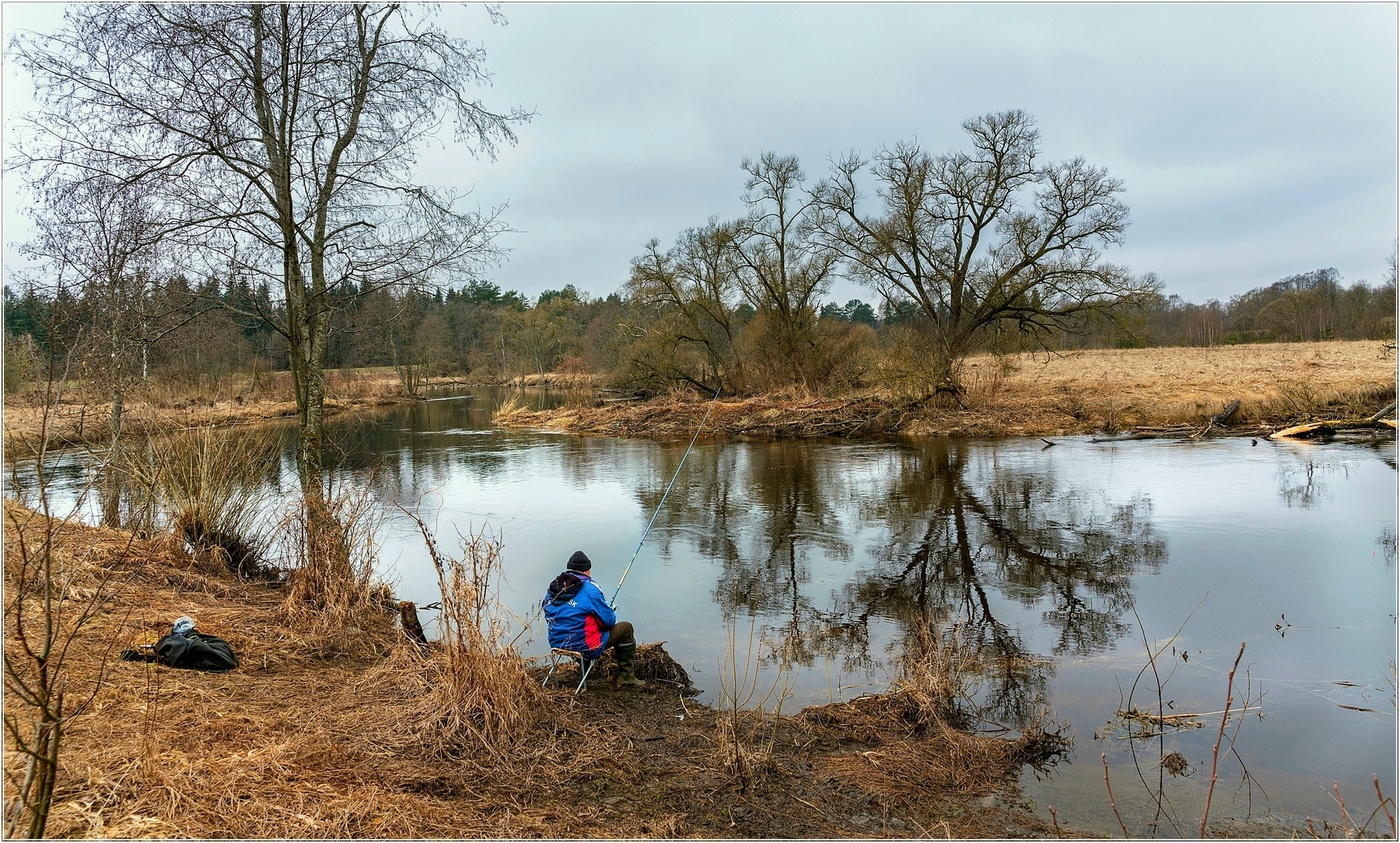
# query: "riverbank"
79,420
1024,395
319,733
1106,391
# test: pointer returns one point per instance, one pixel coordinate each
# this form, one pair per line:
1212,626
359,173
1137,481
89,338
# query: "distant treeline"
209,331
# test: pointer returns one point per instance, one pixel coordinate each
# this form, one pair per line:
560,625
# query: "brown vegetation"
84,419
311,738
1039,395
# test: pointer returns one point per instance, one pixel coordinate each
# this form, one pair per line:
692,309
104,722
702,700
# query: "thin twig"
1219,736
1111,803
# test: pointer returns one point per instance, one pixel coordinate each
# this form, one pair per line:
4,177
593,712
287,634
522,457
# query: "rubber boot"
626,669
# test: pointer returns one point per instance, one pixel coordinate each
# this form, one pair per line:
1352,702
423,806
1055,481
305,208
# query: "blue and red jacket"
579,617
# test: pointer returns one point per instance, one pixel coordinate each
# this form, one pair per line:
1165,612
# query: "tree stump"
408,619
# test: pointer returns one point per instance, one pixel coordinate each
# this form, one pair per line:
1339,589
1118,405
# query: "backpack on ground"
196,651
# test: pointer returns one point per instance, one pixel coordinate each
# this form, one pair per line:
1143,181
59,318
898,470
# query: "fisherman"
581,620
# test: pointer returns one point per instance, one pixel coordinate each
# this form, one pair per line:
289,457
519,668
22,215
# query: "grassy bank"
340,733
1025,395
82,417
1040,395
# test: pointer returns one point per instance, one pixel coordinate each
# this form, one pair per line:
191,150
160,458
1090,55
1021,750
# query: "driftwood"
1217,426
1180,721
1328,429
1390,408
1224,416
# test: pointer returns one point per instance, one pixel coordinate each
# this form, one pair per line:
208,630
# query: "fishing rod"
539,608
613,601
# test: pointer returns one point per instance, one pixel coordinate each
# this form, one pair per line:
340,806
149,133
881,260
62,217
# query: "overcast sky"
1255,140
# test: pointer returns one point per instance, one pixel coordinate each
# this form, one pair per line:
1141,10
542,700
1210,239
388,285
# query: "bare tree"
51,600
981,238
283,139
785,266
693,287
98,239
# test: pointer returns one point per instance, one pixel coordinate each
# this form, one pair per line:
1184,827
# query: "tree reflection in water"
966,526
960,537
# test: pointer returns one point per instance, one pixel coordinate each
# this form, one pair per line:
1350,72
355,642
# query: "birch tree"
283,141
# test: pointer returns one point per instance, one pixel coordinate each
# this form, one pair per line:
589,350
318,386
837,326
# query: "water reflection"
955,535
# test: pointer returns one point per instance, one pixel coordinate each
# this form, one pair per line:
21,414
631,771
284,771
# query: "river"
1057,568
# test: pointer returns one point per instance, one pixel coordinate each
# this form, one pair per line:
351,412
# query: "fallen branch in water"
1307,430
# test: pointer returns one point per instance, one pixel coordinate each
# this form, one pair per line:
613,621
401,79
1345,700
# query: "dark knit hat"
579,562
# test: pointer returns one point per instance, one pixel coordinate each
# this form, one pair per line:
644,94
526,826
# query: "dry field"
1040,395
1275,383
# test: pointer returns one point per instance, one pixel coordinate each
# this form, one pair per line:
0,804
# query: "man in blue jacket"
580,619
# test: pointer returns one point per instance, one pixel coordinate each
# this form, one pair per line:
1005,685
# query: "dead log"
1310,430
1390,408
408,619
1323,430
1226,414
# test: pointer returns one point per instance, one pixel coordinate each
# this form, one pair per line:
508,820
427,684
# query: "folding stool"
585,665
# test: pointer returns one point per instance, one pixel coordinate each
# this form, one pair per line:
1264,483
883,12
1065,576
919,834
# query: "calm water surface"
1057,566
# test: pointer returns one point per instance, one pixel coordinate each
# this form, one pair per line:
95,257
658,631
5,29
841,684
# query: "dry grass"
1040,395
303,742
83,418
332,592
1275,383
480,698
204,483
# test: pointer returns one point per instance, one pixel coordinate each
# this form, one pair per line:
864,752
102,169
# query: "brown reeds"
332,589
209,486
743,735
483,699
934,667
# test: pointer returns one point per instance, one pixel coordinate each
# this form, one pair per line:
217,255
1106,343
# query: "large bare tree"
990,237
283,140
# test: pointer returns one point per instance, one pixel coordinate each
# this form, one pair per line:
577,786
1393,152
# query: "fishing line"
613,601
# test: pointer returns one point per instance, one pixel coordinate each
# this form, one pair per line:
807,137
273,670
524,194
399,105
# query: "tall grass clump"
482,699
744,748
332,588
935,670
210,487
